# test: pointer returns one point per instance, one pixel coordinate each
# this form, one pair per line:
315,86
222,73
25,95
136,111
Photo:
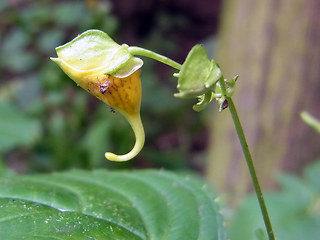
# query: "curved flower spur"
109,72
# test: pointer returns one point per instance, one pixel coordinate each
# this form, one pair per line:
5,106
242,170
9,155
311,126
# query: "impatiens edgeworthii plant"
110,72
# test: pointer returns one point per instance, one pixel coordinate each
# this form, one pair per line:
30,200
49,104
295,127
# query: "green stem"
156,56
248,158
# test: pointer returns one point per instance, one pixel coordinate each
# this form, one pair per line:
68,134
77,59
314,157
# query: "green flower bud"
197,77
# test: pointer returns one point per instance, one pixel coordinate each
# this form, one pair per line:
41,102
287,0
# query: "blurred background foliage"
48,124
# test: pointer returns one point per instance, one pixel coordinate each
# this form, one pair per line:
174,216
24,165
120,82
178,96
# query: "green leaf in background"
14,54
70,13
97,139
119,205
48,40
312,173
294,211
16,129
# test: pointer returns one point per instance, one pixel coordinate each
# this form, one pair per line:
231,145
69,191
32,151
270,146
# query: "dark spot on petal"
224,105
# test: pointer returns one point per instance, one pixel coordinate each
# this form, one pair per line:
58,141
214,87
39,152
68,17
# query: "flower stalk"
249,161
147,53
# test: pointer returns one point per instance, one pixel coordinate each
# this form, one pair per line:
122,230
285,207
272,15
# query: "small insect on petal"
105,86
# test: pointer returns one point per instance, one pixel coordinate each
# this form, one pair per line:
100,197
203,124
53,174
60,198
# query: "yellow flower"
109,72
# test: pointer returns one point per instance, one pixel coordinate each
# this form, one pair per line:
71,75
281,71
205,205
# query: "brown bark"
274,45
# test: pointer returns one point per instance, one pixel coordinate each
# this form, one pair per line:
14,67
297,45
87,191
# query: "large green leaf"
108,205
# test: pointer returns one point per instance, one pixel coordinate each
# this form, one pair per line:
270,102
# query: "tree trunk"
274,46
